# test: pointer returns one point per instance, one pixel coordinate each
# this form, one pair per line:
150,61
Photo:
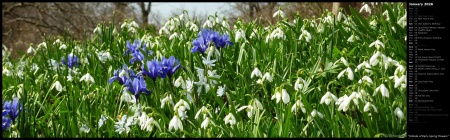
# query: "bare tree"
25,22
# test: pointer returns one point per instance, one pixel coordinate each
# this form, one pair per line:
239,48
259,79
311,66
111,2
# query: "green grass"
51,113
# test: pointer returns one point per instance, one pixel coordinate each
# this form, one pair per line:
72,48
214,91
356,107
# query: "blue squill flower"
72,60
168,65
220,41
137,86
122,75
152,69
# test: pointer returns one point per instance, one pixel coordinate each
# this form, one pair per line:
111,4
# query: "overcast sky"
165,9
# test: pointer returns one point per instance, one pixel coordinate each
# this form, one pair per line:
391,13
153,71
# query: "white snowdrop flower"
174,35
320,28
256,72
123,125
259,81
84,128
277,33
341,99
399,81
349,73
203,111
205,123
225,24
182,112
345,104
133,24
285,96
279,13
57,42
377,44
127,97
365,65
239,34
57,85
221,90
31,50
132,30
355,96
367,79
180,82
315,112
402,21
369,106
42,45
193,27
101,121
298,104
384,90
168,98
181,107
149,123
344,61
327,98
305,36
162,30
87,78
399,113
277,96
97,30
124,24
366,8
340,16
299,84
249,109
175,123
329,20
143,120
373,23
267,76
374,59
63,47
258,104
229,119
254,33
208,62
207,24
387,61
352,38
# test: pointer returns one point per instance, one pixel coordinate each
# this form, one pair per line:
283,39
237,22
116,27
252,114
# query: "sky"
165,9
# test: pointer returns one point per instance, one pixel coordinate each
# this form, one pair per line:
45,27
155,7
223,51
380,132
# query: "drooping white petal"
399,113
285,96
256,72
350,73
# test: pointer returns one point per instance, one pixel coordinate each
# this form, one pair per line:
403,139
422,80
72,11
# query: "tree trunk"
344,5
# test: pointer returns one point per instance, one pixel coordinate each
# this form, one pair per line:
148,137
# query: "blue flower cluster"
135,83
72,60
10,112
206,36
135,51
122,75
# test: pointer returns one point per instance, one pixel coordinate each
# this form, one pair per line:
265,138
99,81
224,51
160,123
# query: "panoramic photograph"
178,70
